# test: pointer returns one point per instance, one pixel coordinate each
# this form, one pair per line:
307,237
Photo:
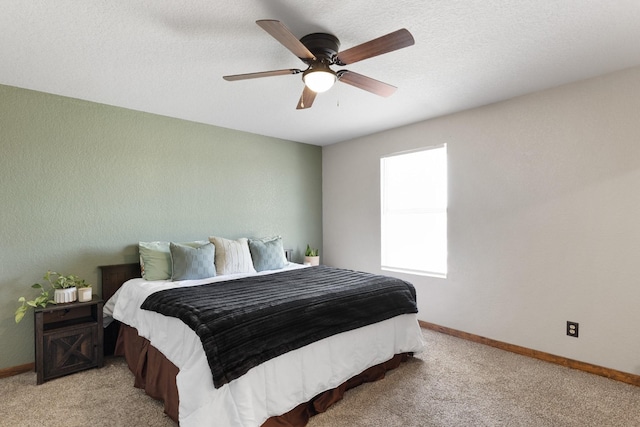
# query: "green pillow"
155,259
267,253
189,263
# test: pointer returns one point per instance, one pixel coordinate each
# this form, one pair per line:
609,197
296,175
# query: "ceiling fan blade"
281,33
366,83
306,100
261,74
388,43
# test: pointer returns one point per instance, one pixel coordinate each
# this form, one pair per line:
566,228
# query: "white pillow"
232,256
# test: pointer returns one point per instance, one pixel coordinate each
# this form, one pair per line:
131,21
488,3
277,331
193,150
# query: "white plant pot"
65,295
84,294
312,260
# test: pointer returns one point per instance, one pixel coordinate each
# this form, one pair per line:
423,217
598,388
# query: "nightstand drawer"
53,317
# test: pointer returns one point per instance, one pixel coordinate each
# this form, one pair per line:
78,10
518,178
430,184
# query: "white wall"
544,218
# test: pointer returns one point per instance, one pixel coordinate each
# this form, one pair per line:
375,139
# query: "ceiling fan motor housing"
324,46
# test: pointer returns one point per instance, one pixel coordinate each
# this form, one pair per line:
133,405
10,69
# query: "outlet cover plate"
572,329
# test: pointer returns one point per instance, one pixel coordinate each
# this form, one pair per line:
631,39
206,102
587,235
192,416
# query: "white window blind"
414,211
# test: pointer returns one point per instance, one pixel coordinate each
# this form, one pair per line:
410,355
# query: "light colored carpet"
453,383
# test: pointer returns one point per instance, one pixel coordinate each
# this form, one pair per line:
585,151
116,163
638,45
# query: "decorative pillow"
267,253
232,256
155,259
189,263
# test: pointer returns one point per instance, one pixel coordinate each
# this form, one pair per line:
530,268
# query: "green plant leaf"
48,275
20,313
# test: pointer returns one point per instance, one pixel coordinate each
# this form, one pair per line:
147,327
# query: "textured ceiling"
168,57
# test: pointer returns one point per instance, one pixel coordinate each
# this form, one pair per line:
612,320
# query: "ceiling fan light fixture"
319,78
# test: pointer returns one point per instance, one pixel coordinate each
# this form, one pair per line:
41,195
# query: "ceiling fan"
319,51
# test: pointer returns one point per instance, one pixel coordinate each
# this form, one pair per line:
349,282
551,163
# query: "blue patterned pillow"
155,258
189,263
267,253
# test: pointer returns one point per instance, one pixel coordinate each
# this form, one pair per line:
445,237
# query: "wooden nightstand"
69,338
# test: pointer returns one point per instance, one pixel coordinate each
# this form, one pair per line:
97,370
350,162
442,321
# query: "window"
414,212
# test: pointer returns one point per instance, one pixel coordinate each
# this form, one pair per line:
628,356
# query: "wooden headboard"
113,276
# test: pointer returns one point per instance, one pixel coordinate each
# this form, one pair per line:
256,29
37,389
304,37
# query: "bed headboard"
113,276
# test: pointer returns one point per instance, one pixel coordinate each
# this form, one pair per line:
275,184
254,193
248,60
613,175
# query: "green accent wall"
82,183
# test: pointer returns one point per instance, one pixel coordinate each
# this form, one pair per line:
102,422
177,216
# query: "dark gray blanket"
247,321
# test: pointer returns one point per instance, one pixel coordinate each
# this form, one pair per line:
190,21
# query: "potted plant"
84,292
58,289
66,287
311,256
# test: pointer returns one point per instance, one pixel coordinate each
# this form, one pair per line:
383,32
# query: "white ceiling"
168,57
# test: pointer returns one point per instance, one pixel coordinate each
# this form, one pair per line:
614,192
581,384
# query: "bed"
168,359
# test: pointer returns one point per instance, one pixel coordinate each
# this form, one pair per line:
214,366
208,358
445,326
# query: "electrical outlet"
572,329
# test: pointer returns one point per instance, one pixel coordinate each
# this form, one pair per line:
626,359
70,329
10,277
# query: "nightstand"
69,338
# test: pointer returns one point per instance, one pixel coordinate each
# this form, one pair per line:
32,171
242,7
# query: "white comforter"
272,388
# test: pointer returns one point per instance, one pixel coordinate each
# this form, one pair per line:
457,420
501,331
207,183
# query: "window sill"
415,272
